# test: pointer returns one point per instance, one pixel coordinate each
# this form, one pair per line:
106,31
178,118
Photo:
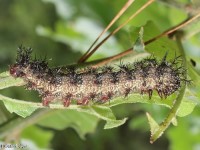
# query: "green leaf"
114,123
7,81
189,126
186,108
22,108
193,92
192,29
60,119
40,137
172,114
106,114
138,123
139,44
77,36
154,126
174,121
4,74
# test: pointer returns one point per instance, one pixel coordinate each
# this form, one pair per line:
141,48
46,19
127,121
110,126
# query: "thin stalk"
165,33
173,29
124,8
116,30
172,114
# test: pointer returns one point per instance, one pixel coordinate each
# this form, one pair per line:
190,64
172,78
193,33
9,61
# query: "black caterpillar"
99,85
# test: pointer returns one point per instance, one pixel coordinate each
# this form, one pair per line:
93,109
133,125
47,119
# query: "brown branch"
116,30
165,33
173,29
110,59
124,8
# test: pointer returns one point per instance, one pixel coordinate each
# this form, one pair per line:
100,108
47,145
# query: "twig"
172,114
124,8
165,33
109,59
116,30
173,29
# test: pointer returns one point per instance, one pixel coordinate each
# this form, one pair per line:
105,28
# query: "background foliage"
64,29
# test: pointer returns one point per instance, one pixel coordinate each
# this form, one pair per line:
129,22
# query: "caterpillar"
98,85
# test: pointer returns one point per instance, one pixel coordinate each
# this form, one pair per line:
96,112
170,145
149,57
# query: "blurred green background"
63,30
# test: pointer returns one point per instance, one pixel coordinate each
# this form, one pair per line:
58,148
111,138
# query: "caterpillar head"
22,61
24,64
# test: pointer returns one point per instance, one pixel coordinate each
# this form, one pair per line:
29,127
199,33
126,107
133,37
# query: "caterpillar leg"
47,98
67,100
83,101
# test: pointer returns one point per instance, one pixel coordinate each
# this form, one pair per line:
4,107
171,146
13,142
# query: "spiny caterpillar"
99,85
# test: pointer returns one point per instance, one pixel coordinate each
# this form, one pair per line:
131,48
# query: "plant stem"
124,8
165,33
116,30
172,114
